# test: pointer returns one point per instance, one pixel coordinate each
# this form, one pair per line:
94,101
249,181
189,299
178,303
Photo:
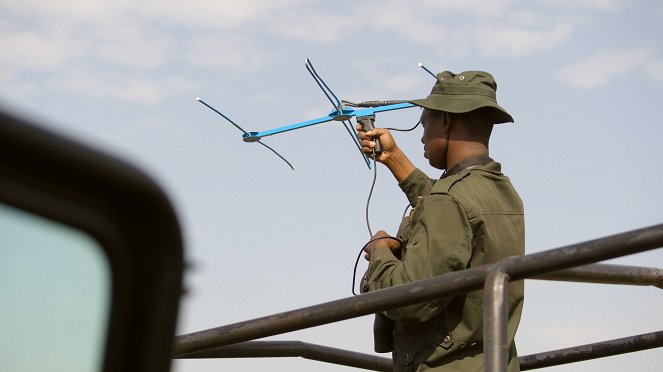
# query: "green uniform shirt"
469,219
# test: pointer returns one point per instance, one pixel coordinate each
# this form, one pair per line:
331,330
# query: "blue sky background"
582,78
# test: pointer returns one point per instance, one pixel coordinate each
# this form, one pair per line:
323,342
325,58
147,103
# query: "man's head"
461,132
459,114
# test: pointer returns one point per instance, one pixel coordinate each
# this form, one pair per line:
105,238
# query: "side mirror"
91,258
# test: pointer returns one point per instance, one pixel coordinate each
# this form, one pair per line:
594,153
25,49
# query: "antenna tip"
420,64
197,98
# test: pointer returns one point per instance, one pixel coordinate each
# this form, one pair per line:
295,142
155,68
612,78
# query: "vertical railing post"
495,317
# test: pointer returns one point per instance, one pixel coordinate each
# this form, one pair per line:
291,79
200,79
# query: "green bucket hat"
465,92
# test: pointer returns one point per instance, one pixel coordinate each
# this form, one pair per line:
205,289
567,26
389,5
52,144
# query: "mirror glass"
55,287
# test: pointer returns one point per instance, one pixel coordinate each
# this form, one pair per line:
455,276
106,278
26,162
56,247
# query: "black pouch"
383,334
383,327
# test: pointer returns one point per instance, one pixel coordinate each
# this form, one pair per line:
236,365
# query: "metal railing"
570,263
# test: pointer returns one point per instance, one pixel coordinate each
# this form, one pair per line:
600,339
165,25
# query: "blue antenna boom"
342,111
336,115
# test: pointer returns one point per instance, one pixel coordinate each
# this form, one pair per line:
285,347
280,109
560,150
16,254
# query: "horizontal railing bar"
279,349
608,274
445,285
592,351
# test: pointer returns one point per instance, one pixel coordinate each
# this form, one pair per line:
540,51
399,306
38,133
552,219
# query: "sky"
582,78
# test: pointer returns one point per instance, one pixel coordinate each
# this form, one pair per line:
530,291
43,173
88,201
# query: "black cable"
368,202
405,130
371,103
375,176
354,271
368,222
370,194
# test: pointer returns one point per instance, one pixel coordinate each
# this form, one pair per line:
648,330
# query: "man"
470,217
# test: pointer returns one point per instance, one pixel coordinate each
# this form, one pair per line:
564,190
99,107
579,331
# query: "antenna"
321,83
219,112
338,106
427,70
243,131
343,111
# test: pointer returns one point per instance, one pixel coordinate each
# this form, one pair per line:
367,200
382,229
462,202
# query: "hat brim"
461,103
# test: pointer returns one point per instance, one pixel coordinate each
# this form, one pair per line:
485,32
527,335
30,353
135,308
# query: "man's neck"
461,150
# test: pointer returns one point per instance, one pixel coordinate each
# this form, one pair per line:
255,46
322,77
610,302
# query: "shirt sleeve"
416,184
440,242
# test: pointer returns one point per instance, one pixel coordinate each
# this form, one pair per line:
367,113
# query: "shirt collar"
468,162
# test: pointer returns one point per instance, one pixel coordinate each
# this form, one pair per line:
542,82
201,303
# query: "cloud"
30,51
600,69
122,87
429,21
231,52
655,69
505,41
481,8
69,10
148,35
130,45
44,37
312,27
596,5
57,44
194,14
218,15
503,28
